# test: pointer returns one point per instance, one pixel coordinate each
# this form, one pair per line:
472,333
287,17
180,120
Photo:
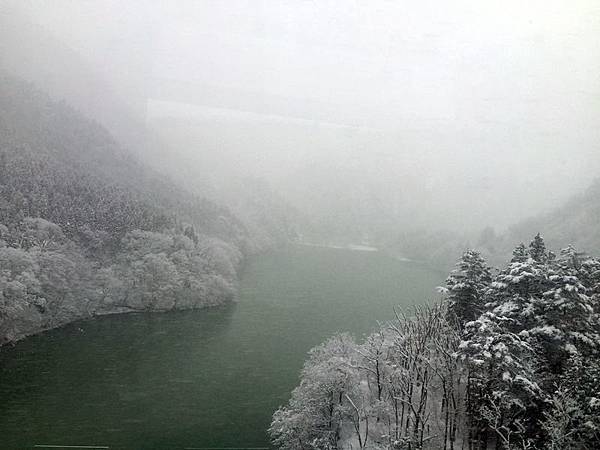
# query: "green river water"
198,379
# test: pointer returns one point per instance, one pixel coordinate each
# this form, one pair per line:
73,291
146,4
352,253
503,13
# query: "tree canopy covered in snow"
87,229
508,360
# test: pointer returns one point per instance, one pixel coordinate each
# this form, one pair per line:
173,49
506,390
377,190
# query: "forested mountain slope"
85,229
30,51
575,223
117,100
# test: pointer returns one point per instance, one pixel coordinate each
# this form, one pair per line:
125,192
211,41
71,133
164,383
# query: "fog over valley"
300,224
456,116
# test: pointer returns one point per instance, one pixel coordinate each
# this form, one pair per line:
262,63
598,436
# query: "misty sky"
480,112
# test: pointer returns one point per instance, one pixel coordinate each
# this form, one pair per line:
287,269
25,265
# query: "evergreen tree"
466,286
520,253
501,388
573,420
514,295
537,249
567,323
589,274
523,374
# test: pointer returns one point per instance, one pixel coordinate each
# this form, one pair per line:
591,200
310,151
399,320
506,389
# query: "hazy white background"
453,114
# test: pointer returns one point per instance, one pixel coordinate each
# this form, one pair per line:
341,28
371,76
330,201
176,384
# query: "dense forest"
86,229
508,360
195,193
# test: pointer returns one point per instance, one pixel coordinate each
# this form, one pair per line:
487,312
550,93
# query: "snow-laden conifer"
465,287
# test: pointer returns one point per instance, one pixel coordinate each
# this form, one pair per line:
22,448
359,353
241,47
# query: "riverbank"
30,323
200,378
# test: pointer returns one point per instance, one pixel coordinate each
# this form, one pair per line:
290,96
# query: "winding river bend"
198,379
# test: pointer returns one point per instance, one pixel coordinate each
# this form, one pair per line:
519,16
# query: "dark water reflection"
208,378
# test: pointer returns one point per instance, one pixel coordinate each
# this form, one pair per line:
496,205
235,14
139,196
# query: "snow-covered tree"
537,249
589,275
314,416
514,294
501,378
538,316
466,286
519,369
573,420
520,253
567,323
